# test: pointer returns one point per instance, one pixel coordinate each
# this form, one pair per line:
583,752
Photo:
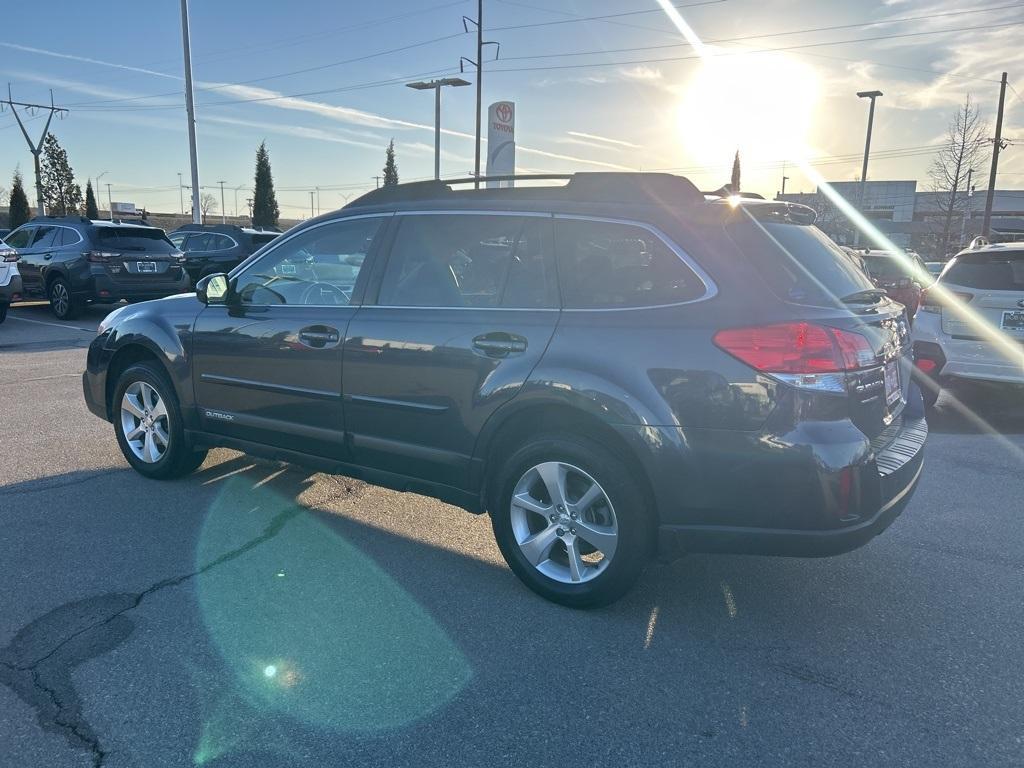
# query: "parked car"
949,344
10,279
71,261
902,275
210,248
605,374
4,232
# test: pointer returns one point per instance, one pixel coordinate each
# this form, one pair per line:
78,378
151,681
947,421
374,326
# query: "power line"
603,17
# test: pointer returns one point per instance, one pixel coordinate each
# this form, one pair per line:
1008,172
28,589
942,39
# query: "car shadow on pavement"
979,408
358,621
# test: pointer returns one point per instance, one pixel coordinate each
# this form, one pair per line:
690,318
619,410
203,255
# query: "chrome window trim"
710,288
245,266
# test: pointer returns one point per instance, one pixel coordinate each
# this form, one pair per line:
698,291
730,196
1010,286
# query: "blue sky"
616,93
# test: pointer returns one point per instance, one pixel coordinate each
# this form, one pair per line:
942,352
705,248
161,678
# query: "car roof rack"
589,186
978,242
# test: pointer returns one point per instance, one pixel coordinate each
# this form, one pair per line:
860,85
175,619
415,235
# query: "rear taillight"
8,255
803,354
100,257
931,301
178,257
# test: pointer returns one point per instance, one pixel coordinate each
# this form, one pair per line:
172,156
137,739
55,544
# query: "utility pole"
110,204
236,198
967,213
997,145
248,202
479,64
190,107
35,148
377,179
317,200
223,213
181,195
867,151
311,212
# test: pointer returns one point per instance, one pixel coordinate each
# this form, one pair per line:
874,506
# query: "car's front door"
29,262
464,309
267,364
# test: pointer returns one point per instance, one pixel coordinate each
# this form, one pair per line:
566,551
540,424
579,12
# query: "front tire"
571,521
62,303
148,424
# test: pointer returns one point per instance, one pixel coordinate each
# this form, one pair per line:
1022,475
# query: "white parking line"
55,325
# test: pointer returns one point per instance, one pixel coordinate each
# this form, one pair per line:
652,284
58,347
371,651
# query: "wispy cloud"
87,60
603,139
641,72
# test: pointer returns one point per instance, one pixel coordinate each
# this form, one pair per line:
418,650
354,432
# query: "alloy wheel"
60,298
144,422
564,522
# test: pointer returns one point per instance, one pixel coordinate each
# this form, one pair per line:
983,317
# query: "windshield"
798,262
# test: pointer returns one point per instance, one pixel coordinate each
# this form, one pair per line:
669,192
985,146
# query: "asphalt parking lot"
258,615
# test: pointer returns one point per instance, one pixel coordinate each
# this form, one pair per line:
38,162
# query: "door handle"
320,336
499,344
48,256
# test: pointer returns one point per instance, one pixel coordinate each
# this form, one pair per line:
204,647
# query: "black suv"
607,367
71,260
213,248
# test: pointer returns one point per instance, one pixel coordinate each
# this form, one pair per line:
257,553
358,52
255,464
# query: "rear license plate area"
892,382
1013,320
145,267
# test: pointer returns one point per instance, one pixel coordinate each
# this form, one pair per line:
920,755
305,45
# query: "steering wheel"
340,298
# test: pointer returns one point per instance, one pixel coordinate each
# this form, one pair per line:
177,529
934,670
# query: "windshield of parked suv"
798,262
135,239
993,271
258,240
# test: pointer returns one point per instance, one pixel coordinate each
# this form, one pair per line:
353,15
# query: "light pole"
236,198
867,151
436,86
110,204
311,214
190,107
967,213
96,188
181,195
223,213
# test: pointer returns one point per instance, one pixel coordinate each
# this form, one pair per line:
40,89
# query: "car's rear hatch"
991,283
822,287
133,254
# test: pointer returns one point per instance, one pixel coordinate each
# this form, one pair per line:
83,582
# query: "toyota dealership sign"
501,141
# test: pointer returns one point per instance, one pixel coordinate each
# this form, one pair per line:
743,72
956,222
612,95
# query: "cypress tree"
19,212
265,212
91,211
735,183
390,169
61,195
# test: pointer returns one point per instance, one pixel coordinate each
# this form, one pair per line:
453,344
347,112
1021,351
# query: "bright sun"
760,104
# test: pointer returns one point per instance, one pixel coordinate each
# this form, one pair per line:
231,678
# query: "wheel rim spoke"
552,474
576,565
601,538
593,493
149,448
135,433
538,546
160,435
128,403
530,504
159,410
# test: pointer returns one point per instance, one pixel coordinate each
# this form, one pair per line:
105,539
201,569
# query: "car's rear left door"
267,366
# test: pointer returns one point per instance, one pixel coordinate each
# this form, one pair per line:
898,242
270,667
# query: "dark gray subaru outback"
610,367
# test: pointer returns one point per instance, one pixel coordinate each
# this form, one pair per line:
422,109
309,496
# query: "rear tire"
63,305
148,424
589,550
3,311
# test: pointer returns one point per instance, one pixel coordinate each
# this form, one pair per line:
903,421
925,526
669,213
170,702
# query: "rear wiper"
867,296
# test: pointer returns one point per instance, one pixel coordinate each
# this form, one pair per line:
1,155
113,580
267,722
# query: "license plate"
1013,320
892,382
145,266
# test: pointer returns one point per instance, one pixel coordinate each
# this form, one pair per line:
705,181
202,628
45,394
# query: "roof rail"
978,242
590,186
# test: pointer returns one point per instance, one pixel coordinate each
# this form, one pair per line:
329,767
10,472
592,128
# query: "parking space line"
54,325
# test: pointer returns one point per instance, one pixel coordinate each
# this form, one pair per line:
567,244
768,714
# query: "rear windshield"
996,271
798,262
886,266
259,240
135,239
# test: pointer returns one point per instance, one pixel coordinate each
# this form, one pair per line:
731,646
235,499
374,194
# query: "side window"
607,265
45,237
20,238
66,236
317,267
470,261
177,238
220,243
198,242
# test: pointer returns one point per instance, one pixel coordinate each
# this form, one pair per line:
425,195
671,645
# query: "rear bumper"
11,289
974,359
104,288
821,489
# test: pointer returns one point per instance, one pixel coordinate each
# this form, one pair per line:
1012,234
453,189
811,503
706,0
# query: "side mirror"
213,289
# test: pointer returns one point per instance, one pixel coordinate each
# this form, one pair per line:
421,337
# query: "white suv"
10,280
989,279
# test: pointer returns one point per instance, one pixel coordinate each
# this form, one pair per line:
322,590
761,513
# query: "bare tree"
962,155
207,203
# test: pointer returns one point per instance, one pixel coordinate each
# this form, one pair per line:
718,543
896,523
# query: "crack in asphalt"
49,484
43,681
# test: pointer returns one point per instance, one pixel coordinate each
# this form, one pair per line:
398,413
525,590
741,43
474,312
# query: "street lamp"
867,149
436,86
181,196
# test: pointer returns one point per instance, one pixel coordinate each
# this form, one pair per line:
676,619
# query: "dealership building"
914,219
